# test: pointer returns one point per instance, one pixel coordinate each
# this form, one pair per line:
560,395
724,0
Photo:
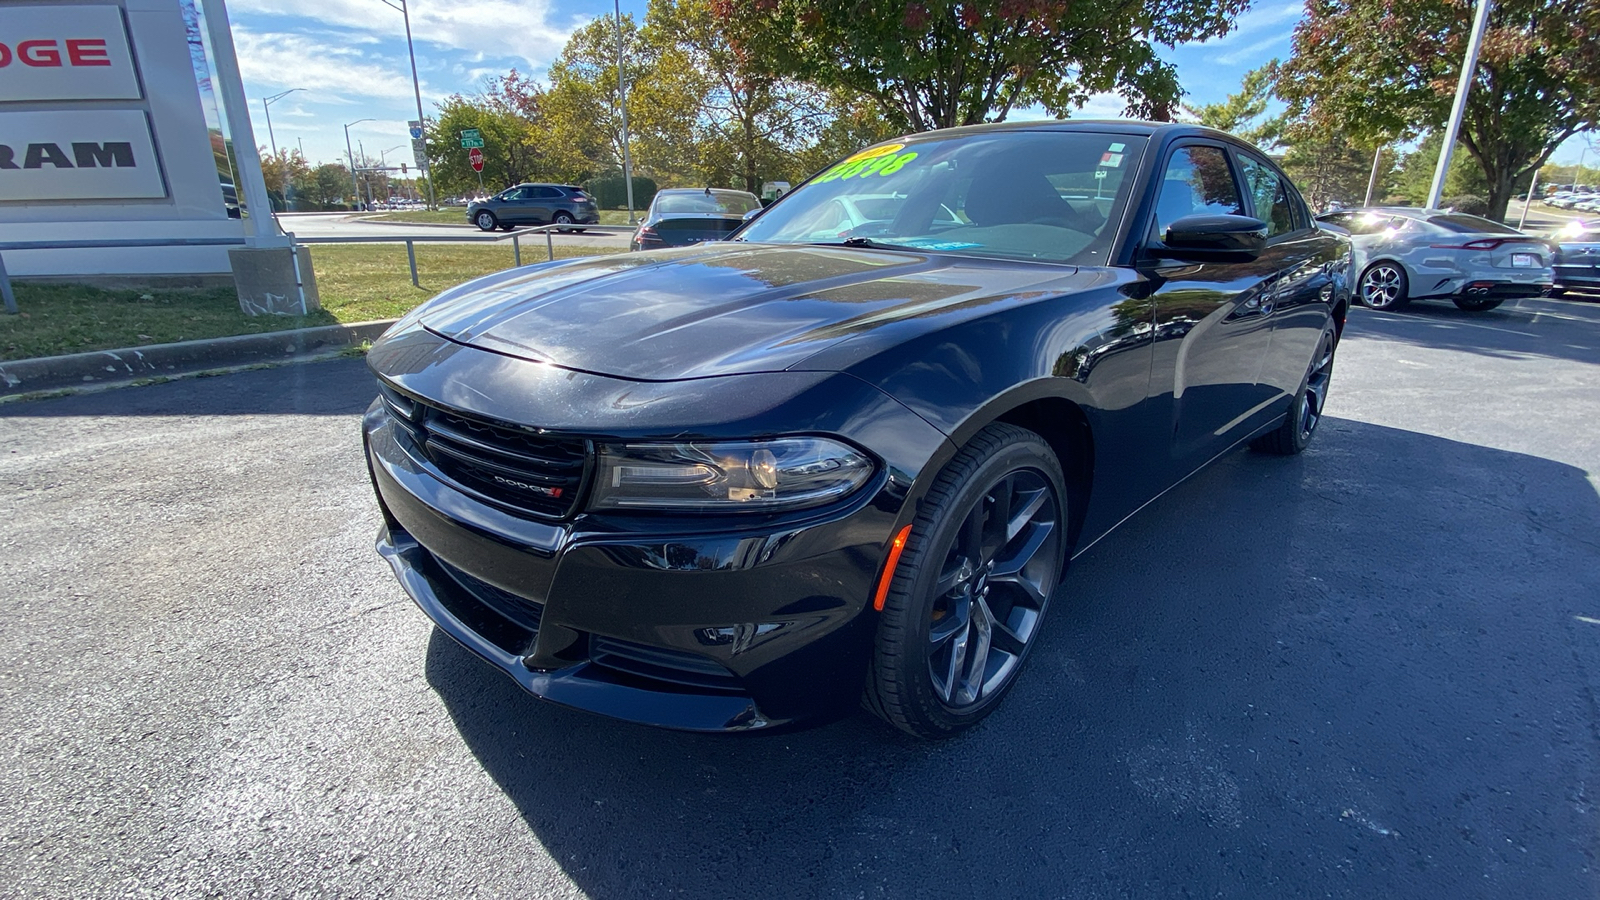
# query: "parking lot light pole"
622,104
1469,67
355,189
416,88
1527,202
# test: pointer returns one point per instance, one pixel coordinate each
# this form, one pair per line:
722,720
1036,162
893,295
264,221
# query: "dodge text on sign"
65,53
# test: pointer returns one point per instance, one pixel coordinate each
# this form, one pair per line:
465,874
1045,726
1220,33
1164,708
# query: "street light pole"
622,92
416,87
1528,201
266,107
1469,67
355,189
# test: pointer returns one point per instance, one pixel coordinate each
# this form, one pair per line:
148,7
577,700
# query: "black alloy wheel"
1384,286
1305,413
485,220
971,590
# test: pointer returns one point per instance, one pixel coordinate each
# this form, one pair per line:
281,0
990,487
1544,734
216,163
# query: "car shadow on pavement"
1370,670
1549,328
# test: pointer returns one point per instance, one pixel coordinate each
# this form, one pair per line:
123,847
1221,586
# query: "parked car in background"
681,216
1577,263
534,204
1405,254
736,486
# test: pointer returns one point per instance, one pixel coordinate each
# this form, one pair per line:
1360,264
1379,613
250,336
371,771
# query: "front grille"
660,664
524,612
519,468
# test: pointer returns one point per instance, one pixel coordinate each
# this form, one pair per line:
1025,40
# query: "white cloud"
1251,51
510,28
1279,19
327,72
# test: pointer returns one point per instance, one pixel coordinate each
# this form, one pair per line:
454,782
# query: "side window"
543,193
1197,180
1270,195
515,194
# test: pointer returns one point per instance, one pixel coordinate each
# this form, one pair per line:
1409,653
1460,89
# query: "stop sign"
475,156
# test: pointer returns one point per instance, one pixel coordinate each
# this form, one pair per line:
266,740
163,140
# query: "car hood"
724,309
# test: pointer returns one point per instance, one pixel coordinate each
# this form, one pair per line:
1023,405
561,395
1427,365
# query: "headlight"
727,476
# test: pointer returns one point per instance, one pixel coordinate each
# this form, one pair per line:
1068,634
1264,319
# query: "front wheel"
1300,423
485,221
1384,286
973,582
1477,304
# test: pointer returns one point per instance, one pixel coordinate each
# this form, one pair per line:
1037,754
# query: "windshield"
701,202
1045,195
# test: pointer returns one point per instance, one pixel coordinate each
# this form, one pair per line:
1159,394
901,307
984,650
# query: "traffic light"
402,168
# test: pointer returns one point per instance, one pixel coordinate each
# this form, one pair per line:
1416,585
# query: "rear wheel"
1384,286
1477,305
485,220
972,586
561,219
1305,413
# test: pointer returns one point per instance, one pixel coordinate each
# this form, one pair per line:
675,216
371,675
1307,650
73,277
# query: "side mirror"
1214,238
752,213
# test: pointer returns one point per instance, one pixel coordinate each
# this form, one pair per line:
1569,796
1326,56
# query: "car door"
1304,261
1211,328
512,208
541,205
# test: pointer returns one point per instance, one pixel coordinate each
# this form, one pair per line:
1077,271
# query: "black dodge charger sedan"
753,483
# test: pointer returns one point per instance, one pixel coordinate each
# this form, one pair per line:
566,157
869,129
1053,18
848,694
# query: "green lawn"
457,215
357,283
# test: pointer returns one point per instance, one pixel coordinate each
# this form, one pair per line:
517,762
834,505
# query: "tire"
485,221
1300,423
1470,305
1556,293
562,219
508,227
1384,286
953,597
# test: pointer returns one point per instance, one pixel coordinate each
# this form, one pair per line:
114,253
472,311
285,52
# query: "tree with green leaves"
519,142
1244,113
1383,70
941,63
665,93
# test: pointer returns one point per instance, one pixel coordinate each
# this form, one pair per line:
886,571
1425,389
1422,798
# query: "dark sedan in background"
754,482
678,217
534,204
1577,265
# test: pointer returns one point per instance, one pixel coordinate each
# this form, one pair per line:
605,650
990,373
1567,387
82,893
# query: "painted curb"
104,367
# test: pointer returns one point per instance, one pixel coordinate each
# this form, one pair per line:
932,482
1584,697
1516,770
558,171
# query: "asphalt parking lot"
1370,671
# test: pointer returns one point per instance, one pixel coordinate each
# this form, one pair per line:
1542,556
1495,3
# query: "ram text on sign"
90,154
65,53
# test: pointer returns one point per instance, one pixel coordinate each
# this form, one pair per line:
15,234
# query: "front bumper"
705,625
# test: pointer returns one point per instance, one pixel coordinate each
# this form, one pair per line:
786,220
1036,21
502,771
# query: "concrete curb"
373,220
110,367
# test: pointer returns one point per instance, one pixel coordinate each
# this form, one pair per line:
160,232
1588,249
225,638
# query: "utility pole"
355,189
622,92
416,87
1469,67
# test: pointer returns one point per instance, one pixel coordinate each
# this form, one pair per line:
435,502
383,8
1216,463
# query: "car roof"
703,191
1141,127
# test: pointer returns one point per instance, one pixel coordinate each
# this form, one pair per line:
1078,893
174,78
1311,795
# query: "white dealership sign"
102,154
65,53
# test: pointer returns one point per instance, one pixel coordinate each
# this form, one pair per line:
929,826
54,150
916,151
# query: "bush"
1467,203
611,191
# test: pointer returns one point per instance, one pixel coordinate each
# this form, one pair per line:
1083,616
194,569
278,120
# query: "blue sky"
350,57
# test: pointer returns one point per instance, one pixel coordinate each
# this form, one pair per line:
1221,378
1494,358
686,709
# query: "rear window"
723,204
1461,223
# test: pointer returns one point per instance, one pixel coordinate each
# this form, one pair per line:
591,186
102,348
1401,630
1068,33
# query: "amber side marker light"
889,567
